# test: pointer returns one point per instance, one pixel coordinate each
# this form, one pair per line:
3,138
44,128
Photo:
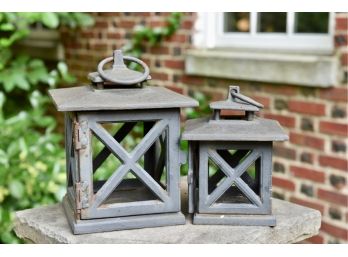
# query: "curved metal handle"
119,64
234,91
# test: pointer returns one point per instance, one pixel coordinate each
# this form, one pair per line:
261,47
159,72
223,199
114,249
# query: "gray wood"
119,136
150,155
260,204
235,220
85,98
166,120
233,130
121,223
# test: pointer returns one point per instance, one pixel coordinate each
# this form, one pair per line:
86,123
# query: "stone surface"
308,70
294,223
86,98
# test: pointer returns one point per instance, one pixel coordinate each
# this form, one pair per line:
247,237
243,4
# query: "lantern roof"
258,129
237,128
88,98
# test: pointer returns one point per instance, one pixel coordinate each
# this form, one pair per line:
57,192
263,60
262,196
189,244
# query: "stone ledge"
294,223
306,70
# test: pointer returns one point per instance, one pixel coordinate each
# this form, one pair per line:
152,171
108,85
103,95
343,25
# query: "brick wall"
310,169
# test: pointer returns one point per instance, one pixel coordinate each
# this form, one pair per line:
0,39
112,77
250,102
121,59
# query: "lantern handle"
234,93
118,64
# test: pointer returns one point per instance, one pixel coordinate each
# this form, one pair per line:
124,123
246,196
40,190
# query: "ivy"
32,158
152,36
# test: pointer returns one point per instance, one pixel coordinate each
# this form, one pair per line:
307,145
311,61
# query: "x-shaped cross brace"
129,162
233,176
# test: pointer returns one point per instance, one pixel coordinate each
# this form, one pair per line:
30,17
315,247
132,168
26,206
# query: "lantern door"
129,163
235,178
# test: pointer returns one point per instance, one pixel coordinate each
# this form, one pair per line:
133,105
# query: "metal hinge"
80,135
81,189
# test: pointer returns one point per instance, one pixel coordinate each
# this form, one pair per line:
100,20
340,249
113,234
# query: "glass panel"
271,22
237,22
312,22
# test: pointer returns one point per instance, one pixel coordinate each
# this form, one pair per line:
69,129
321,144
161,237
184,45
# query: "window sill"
306,70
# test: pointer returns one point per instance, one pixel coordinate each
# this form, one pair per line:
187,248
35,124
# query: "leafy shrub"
32,156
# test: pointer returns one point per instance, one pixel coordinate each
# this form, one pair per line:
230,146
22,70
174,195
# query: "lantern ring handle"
118,65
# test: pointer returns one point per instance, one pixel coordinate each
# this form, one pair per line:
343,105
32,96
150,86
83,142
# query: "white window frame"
210,34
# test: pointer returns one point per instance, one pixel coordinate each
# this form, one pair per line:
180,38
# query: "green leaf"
50,20
2,99
16,189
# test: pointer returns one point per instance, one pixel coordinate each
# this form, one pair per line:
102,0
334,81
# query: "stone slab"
86,98
284,68
294,223
259,129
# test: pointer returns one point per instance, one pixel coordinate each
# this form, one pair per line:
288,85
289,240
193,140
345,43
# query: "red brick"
101,24
175,64
187,24
98,46
306,107
310,174
334,162
263,100
159,50
176,89
178,38
315,239
126,24
333,197
333,128
283,183
306,140
192,80
344,59
284,152
114,35
335,231
286,121
280,90
335,94
341,24
309,204
159,76
158,23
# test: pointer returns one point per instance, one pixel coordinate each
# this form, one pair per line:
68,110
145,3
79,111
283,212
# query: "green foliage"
153,36
32,160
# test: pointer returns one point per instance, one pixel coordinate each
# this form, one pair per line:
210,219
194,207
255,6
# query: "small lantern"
143,189
230,164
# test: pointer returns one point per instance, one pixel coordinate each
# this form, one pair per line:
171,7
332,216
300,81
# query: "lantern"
142,189
230,164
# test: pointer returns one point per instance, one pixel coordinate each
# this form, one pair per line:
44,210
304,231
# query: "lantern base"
236,220
120,223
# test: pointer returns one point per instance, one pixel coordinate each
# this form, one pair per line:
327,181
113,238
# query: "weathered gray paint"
86,109
86,98
167,120
120,223
258,129
252,139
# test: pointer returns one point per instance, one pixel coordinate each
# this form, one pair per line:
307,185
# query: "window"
282,31
284,47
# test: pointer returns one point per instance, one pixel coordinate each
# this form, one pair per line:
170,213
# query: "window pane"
237,22
312,22
271,22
